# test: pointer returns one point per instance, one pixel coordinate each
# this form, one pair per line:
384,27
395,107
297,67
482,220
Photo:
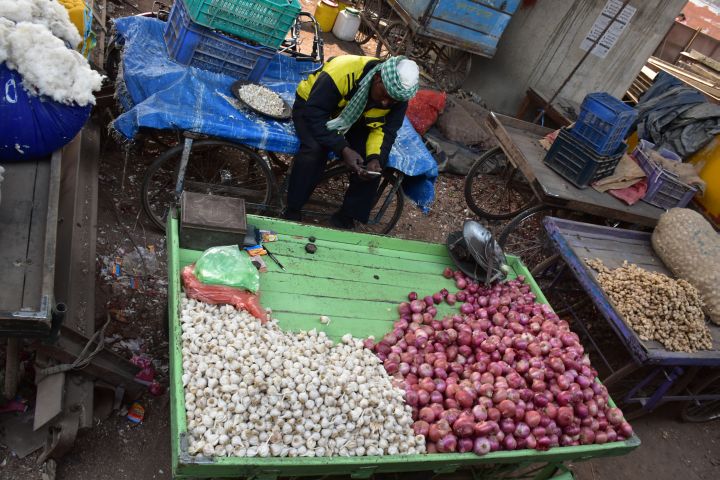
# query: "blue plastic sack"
33,126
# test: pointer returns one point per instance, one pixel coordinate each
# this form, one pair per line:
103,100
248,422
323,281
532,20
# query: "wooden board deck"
28,223
577,241
19,213
521,142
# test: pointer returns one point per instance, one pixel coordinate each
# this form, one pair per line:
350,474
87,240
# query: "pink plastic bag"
221,294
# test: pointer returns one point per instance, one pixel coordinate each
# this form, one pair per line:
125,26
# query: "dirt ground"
116,449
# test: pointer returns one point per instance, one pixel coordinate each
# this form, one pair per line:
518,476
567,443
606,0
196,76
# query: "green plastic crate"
357,280
263,21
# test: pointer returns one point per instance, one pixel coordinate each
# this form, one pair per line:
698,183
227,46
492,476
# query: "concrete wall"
542,45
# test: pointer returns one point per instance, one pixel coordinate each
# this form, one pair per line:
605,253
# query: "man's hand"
372,166
352,159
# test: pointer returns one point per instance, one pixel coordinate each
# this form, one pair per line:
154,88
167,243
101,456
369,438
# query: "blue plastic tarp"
155,92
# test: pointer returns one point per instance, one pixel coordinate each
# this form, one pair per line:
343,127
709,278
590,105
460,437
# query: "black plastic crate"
578,163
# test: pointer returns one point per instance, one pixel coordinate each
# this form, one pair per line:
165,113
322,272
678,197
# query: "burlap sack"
690,248
464,122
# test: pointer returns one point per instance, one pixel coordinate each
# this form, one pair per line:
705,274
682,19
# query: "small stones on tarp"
310,248
312,239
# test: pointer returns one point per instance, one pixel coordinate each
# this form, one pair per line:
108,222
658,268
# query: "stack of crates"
237,38
594,146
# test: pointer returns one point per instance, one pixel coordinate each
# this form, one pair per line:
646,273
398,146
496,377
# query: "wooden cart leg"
522,110
11,367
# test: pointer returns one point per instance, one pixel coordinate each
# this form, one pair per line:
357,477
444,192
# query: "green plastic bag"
227,266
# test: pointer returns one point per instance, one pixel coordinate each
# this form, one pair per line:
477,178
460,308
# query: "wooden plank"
704,59
595,244
702,71
689,78
16,213
35,256
310,270
304,232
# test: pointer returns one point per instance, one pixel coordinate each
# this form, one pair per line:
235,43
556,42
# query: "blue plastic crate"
604,122
191,44
578,163
665,189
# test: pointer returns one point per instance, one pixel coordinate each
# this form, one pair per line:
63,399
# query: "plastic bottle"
347,24
325,14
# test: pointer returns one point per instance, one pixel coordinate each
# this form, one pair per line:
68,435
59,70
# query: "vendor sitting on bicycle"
353,107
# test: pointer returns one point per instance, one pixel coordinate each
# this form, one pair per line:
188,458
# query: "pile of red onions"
504,374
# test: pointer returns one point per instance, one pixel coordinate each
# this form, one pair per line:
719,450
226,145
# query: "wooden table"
521,143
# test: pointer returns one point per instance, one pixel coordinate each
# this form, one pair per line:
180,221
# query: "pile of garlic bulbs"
255,390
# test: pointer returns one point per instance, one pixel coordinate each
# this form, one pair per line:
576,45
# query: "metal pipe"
57,317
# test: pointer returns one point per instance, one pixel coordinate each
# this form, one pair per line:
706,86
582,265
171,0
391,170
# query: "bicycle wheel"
525,236
565,294
215,167
697,411
327,198
373,12
452,67
496,190
396,35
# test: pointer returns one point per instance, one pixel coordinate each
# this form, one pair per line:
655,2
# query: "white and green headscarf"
400,77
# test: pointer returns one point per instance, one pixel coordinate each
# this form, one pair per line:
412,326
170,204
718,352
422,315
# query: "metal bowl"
287,109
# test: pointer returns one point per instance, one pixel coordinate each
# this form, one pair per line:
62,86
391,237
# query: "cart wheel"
496,190
452,66
397,35
215,167
696,411
373,11
525,236
562,299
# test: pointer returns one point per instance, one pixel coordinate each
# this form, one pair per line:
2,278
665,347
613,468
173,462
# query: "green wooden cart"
357,280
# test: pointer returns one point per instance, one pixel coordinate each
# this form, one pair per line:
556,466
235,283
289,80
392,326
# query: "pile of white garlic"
262,99
255,390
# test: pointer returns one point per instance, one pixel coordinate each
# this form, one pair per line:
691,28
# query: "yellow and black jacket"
326,93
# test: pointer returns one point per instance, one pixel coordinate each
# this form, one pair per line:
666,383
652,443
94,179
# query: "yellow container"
76,10
325,14
707,160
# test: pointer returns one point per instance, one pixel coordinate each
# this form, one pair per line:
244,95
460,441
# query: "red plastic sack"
221,294
632,194
424,108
